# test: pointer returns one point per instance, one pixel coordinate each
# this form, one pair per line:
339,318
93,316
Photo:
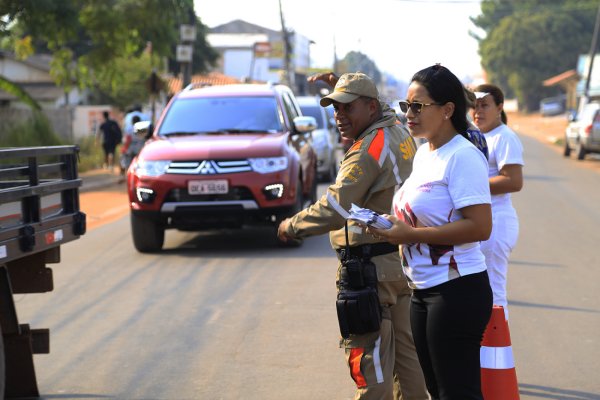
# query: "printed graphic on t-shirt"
436,251
442,183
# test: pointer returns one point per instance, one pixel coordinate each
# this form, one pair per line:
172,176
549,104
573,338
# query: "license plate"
208,187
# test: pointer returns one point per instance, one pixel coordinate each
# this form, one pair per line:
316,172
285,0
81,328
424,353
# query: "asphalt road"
229,315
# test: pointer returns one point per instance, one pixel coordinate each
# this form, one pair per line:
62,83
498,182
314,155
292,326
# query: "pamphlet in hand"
368,217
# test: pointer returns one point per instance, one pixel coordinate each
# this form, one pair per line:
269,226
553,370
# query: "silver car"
325,137
583,132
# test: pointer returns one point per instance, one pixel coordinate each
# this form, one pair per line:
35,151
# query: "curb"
95,180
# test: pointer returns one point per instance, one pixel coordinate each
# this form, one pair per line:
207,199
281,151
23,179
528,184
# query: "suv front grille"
208,167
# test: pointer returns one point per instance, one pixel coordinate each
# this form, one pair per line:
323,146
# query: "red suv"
222,157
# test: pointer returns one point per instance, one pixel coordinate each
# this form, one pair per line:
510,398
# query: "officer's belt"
367,251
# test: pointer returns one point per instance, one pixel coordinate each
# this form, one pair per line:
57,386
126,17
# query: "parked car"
325,137
553,105
222,157
583,132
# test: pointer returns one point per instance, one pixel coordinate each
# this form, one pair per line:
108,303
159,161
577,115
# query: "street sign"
184,53
187,33
262,49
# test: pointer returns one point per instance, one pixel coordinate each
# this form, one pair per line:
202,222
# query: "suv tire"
567,149
580,151
311,197
297,208
148,236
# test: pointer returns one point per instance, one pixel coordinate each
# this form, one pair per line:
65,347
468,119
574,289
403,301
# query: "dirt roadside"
545,129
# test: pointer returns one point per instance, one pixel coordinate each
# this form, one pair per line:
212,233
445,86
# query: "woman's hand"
399,233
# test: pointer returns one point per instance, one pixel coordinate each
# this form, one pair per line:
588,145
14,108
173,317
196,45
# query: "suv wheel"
311,197
580,151
148,235
567,149
297,208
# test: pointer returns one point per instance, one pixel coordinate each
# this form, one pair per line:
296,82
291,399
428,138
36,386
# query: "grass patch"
37,131
91,155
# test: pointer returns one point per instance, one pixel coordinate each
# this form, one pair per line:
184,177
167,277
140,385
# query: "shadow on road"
76,396
551,307
251,242
546,392
536,264
542,178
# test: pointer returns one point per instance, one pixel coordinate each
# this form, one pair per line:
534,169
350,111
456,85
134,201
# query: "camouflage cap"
350,87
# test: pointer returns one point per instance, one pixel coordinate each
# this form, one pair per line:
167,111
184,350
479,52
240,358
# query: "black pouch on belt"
357,302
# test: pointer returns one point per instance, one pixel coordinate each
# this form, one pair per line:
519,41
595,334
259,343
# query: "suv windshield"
214,115
316,112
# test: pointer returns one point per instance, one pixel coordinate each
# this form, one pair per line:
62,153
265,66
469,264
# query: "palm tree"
16,90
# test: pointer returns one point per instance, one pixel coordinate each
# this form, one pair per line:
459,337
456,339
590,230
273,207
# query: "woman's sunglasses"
415,107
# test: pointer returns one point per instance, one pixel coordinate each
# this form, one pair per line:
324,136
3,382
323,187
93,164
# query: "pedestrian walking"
505,177
111,136
131,147
382,362
439,216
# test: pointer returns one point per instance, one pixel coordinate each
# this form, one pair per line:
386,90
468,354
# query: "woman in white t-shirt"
441,213
505,176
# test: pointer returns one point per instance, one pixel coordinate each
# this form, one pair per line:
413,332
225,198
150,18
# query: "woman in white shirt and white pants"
505,177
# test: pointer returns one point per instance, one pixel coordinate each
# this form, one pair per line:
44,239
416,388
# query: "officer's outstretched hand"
399,233
282,231
328,77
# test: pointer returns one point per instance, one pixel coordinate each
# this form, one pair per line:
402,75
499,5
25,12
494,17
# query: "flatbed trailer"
39,211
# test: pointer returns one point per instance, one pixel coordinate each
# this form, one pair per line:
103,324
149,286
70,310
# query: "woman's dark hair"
496,94
444,87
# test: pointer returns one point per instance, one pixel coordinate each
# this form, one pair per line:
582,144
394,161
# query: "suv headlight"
151,168
268,164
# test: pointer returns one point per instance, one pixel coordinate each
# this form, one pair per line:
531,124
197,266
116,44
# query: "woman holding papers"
441,213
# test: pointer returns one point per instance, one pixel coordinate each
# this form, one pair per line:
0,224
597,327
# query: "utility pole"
335,59
185,50
287,51
592,55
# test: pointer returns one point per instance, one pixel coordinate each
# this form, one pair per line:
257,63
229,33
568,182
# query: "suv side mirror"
142,128
572,116
305,124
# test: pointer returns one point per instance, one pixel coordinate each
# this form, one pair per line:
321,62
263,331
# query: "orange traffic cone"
498,374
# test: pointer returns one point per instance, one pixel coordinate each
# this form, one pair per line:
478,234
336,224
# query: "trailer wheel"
148,236
2,366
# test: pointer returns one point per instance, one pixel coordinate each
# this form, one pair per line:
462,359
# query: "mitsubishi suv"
222,157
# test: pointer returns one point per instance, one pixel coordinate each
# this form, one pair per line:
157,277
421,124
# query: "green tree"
528,41
356,61
91,40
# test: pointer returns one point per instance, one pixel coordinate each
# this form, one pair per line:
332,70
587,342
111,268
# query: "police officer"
383,364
